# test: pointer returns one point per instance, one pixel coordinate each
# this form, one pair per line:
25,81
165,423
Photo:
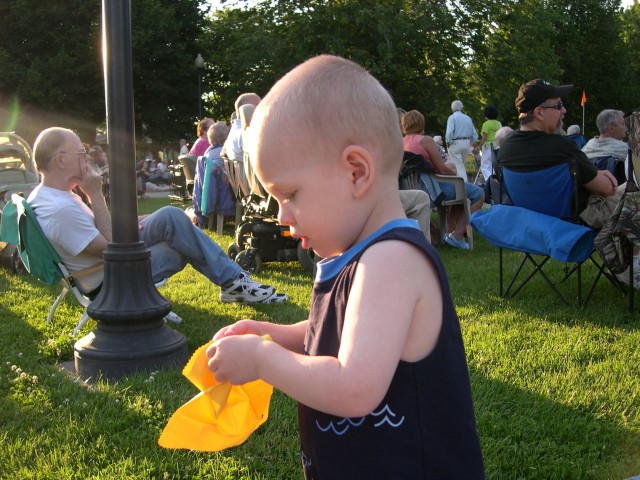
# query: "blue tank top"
425,427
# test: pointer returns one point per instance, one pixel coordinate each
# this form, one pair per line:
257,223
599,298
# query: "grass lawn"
556,388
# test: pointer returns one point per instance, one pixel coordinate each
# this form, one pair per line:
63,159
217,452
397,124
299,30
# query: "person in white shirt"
233,146
80,233
184,150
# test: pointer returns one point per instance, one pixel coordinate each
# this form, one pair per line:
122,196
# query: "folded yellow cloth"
221,415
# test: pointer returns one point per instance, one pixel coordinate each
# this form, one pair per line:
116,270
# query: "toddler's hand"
242,327
232,359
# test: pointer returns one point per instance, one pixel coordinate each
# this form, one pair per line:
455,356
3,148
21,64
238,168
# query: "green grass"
556,388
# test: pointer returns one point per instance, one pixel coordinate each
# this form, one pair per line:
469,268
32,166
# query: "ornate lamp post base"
113,354
131,335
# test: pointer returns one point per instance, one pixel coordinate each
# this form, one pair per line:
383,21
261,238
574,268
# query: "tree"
602,70
410,46
48,64
519,46
51,65
631,38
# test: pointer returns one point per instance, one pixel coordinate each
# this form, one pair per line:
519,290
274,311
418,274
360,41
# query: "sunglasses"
557,106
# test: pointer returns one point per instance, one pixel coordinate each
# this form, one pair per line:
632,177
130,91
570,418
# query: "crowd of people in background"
456,148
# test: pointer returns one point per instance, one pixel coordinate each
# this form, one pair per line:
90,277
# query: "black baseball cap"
535,92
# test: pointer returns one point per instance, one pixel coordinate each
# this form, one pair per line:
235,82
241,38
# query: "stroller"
18,174
259,237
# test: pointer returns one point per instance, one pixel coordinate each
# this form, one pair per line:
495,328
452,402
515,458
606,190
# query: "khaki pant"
417,205
599,209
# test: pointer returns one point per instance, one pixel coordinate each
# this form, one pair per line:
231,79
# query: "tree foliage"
425,52
51,65
429,52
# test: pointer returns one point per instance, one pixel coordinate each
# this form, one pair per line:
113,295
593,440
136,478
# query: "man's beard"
558,128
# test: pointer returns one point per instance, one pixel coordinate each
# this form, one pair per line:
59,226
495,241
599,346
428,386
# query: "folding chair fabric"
550,191
539,234
538,223
20,227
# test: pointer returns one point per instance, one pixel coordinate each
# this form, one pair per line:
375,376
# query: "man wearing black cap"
536,145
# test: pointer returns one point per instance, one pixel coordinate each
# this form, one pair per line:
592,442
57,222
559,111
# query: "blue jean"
174,241
473,192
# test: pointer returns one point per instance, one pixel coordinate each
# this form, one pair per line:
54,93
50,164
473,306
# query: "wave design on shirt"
341,427
388,414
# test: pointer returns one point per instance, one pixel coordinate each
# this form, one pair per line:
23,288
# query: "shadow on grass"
476,284
528,436
111,431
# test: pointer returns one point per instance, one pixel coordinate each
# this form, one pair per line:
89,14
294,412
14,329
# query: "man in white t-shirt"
233,149
184,150
80,234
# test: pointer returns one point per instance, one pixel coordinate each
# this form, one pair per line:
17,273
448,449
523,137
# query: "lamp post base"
114,354
131,335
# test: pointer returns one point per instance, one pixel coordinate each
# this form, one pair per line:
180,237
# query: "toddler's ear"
361,168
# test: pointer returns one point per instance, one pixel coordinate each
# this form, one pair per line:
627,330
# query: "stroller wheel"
249,260
233,250
306,257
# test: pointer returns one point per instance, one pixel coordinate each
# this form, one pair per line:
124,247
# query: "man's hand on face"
90,181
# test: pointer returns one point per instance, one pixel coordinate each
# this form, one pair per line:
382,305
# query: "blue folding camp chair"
541,222
20,227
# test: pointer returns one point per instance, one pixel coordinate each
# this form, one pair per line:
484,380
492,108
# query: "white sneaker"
173,317
244,289
276,298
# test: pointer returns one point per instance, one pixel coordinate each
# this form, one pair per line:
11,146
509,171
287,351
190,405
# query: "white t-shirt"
70,227
233,144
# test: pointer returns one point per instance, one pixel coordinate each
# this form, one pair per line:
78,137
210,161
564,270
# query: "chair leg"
632,286
442,221
219,224
500,254
467,219
83,320
52,310
537,269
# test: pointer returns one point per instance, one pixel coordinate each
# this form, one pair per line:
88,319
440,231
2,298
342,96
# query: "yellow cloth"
221,415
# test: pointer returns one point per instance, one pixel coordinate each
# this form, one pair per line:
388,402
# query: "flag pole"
583,102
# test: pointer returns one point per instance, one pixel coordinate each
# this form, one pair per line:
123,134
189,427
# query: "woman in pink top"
415,141
202,143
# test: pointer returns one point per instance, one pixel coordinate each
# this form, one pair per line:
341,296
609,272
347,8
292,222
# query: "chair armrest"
458,184
81,273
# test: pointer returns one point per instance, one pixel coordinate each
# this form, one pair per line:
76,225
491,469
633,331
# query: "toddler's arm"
290,337
394,312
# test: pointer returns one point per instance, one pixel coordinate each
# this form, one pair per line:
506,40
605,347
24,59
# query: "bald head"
246,99
333,102
48,143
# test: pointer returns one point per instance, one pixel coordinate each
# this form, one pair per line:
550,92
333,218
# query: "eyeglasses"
82,153
557,106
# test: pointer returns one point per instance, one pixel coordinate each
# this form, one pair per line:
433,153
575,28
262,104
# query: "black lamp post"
199,61
131,335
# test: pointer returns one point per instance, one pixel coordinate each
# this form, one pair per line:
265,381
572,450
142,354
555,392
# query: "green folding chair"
20,227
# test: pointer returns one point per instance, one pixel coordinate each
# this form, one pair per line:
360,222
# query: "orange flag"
584,99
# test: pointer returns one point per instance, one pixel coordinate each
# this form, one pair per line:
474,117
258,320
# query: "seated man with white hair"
574,133
612,130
